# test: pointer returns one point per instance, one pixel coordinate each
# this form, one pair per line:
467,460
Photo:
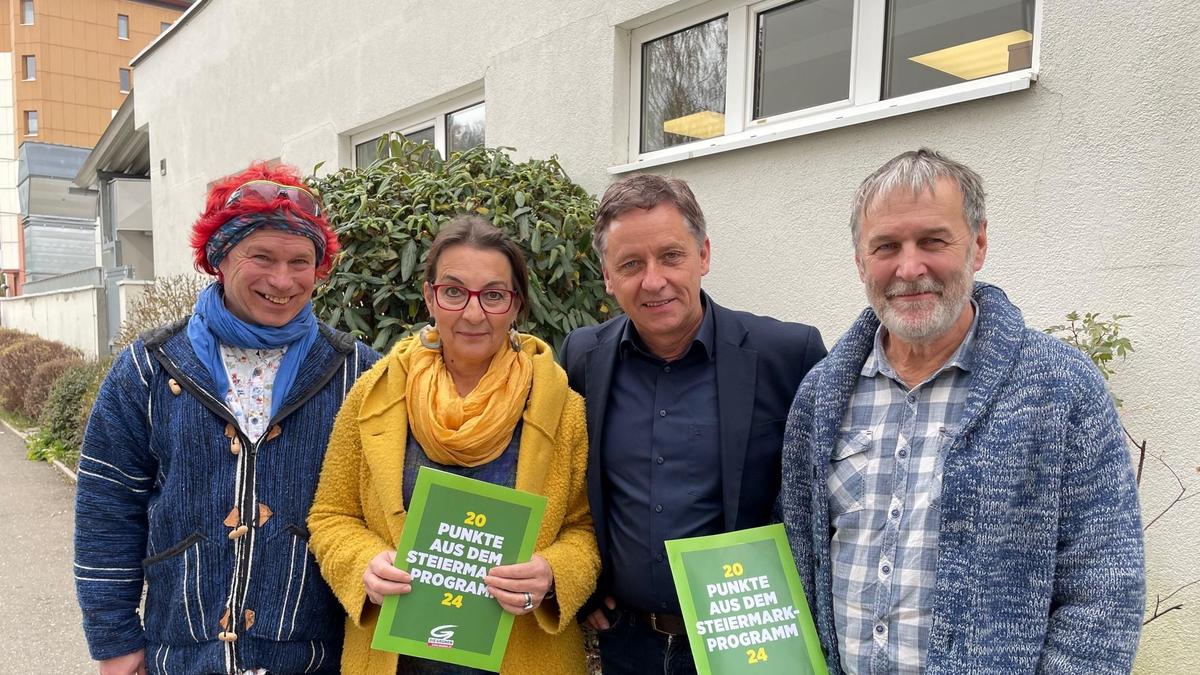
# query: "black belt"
667,624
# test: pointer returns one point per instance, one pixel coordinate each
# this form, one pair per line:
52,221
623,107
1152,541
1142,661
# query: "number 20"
734,570
476,519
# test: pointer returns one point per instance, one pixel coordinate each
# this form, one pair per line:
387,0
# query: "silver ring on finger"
528,601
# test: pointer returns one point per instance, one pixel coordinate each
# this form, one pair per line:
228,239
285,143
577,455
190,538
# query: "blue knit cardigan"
1040,562
160,492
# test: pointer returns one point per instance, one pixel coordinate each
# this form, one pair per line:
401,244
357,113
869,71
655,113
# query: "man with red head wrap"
203,451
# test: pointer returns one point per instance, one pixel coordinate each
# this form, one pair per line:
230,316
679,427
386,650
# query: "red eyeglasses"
268,191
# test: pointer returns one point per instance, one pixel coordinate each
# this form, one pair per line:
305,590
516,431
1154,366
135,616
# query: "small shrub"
170,298
9,336
43,448
386,216
63,414
44,377
19,360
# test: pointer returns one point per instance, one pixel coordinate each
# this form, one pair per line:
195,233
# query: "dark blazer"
760,362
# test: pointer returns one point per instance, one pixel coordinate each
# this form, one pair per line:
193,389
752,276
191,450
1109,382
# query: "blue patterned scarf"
212,324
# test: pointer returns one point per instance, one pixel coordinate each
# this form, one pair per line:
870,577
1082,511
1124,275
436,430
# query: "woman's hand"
509,584
384,578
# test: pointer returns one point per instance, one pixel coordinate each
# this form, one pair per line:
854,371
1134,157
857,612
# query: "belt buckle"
654,624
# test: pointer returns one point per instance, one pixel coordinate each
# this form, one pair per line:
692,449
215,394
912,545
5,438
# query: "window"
27,12
730,73
124,74
163,26
464,129
122,27
447,128
29,67
31,123
927,51
683,85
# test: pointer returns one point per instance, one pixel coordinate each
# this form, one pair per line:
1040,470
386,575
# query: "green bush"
43,448
387,214
64,415
44,377
18,362
170,298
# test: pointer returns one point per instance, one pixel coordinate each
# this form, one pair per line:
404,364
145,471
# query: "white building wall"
71,317
1090,173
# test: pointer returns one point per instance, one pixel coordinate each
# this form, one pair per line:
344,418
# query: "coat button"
239,532
235,445
175,388
227,636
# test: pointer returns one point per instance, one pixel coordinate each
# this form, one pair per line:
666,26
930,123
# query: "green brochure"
743,604
457,529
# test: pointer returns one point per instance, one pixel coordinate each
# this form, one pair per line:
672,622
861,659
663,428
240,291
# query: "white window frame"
863,104
32,13
422,118
37,122
28,74
127,27
125,90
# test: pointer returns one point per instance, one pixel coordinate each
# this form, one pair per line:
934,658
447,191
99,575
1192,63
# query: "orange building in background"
65,66
70,62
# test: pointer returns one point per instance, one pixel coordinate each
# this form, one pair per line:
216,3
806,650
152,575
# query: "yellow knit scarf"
473,430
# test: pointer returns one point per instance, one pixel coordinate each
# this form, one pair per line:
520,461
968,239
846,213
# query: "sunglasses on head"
268,191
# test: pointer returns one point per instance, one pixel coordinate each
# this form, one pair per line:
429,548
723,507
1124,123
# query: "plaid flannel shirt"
885,484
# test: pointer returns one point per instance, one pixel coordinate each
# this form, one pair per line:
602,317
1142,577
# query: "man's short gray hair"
646,191
918,171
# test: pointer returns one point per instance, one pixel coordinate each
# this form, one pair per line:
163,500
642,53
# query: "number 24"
756,655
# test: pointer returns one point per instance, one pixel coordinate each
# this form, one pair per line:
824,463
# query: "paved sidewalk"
39,619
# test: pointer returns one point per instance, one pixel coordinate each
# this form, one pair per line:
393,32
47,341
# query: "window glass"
367,152
124,77
464,129
29,67
27,12
122,26
425,135
31,123
683,86
802,56
935,43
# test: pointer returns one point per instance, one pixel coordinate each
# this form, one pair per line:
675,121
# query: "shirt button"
895,513
658,508
879,628
886,570
662,413
666,369
660,460
659,557
903,453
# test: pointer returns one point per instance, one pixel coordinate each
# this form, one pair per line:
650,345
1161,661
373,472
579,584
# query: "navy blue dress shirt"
661,454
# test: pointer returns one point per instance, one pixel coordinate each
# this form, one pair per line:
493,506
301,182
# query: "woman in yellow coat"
476,398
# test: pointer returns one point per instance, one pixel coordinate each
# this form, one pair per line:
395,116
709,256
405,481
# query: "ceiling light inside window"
971,60
704,124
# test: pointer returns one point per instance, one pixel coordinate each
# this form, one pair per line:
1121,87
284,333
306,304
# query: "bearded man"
956,487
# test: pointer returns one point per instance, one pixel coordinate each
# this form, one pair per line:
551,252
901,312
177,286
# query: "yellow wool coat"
358,510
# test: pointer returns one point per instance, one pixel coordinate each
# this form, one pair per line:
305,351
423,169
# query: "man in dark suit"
686,404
